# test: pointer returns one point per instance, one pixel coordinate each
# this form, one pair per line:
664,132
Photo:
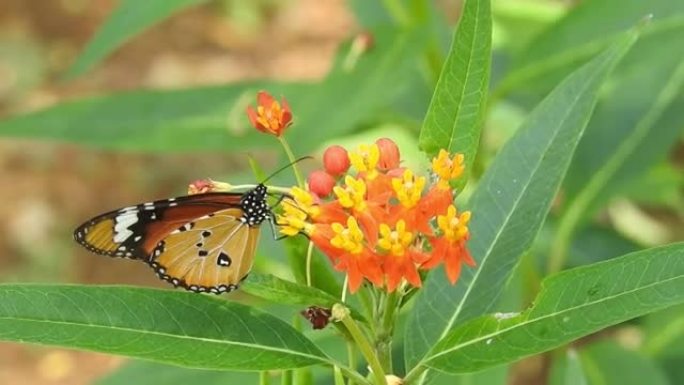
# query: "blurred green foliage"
414,83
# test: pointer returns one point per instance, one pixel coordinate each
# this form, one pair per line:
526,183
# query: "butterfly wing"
212,253
134,231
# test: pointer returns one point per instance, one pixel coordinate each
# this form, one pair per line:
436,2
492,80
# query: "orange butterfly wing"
204,242
132,232
213,253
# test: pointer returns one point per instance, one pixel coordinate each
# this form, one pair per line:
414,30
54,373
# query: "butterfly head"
254,206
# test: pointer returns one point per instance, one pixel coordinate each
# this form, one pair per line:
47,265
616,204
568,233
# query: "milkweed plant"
416,254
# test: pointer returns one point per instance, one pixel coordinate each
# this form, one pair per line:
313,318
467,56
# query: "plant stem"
337,376
341,313
397,11
351,357
264,378
561,243
413,374
354,375
383,343
309,254
286,379
291,157
343,298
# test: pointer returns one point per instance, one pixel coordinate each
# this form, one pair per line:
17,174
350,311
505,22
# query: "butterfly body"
203,242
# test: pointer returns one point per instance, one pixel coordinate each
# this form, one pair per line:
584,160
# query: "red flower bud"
321,183
336,160
389,154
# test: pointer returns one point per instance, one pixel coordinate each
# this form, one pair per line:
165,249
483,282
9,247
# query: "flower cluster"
381,222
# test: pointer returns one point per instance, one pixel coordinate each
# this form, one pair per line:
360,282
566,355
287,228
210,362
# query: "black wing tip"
176,282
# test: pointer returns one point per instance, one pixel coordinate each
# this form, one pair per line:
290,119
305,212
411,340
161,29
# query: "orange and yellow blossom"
353,255
271,117
382,223
401,258
450,247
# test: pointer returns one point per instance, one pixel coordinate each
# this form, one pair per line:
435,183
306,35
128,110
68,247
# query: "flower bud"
200,186
318,316
336,160
321,183
389,154
270,116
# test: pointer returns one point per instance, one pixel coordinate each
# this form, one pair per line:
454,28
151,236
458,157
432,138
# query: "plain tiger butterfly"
203,242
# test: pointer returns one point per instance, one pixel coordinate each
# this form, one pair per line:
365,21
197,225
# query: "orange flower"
450,248
271,117
353,255
401,258
378,223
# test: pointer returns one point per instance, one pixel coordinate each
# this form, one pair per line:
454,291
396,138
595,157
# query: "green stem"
414,374
351,357
397,12
341,313
383,343
367,303
264,378
353,375
564,233
291,157
309,255
343,298
286,378
337,376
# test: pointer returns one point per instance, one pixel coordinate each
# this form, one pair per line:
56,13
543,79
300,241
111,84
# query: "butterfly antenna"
276,172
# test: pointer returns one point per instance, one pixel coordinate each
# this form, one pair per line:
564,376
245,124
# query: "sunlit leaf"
278,290
571,304
583,32
455,115
179,328
510,204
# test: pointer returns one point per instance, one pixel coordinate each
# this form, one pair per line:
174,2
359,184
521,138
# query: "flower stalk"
341,314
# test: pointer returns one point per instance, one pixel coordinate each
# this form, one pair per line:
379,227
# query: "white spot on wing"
123,222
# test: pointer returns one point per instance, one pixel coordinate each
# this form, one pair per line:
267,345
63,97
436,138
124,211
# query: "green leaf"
129,19
278,290
583,32
493,376
608,363
322,276
664,333
348,97
640,120
567,370
510,204
194,119
570,305
179,328
455,115
213,118
152,373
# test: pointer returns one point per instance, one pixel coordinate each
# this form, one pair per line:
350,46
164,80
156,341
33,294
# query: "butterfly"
203,242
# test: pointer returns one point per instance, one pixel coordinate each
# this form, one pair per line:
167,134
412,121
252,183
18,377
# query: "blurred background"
49,188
